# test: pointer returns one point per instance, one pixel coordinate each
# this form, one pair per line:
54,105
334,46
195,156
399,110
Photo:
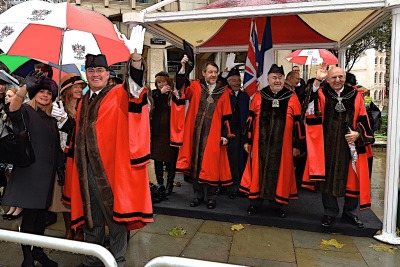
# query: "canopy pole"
342,57
388,234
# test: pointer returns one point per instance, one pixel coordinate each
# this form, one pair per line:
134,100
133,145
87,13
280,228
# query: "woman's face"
9,95
43,97
160,84
77,91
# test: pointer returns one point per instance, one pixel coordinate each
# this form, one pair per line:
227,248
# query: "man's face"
336,78
210,74
235,82
276,81
97,78
294,79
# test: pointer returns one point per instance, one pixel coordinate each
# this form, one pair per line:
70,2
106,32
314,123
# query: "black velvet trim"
244,189
132,215
296,117
208,182
137,107
282,198
365,206
256,194
227,182
361,149
176,144
314,121
77,221
293,195
178,102
355,193
307,183
140,160
66,199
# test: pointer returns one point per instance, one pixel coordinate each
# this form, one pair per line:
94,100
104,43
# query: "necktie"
92,97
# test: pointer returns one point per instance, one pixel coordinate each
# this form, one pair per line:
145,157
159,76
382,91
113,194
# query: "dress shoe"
327,221
39,255
211,204
195,202
352,219
51,218
5,216
233,195
12,217
280,212
251,210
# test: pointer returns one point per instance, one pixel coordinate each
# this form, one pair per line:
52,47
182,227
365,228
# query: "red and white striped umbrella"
59,33
312,57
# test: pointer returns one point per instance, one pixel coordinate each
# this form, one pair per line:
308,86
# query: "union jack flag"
251,69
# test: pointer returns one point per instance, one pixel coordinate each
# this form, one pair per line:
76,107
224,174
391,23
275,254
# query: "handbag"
15,148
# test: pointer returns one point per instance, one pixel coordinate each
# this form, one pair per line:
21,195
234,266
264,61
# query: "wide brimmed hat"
71,79
44,83
113,75
233,72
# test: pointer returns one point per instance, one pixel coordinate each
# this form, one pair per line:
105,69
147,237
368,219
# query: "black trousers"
234,147
331,206
205,192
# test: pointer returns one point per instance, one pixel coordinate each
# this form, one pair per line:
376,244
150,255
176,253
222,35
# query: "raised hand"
33,78
230,61
58,112
136,40
322,71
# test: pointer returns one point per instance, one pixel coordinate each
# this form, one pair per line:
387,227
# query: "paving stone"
217,228
374,258
164,224
144,246
209,247
303,239
258,262
266,243
316,257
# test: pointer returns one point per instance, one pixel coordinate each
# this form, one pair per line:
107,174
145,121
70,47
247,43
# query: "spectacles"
341,77
96,70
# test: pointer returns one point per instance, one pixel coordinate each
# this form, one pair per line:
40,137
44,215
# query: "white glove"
230,61
58,112
136,40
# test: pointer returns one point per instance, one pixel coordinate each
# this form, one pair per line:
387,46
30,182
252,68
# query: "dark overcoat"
32,187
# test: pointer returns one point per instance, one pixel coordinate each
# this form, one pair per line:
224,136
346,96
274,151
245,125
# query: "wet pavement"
252,246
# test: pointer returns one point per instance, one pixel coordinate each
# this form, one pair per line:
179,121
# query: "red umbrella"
59,33
312,57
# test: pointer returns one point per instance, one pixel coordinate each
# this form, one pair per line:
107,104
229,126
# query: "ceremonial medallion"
275,103
210,99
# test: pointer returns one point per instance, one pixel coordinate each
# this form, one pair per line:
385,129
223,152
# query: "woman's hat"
44,83
71,79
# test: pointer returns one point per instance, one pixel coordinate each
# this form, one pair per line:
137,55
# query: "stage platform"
302,214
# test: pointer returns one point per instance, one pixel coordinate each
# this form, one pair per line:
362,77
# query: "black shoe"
327,221
251,210
352,219
233,195
211,204
12,217
5,216
195,202
280,212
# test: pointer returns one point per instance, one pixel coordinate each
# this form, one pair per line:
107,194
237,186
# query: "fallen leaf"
237,227
328,244
383,248
177,231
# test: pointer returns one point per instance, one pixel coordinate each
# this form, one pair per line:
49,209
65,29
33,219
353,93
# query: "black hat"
44,83
233,72
93,61
113,75
162,74
351,79
275,69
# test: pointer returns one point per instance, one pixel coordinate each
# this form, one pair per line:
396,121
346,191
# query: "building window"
375,94
376,60
376,77
381,77
381,61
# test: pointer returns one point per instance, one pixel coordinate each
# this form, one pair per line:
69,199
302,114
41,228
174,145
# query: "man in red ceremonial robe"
337,133
206,133
273,139
112,149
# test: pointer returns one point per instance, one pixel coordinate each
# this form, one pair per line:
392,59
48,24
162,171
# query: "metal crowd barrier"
60,244
167,261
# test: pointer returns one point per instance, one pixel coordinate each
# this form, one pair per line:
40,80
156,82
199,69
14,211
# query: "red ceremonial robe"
177,121
201,153
115,131
269,172
333,167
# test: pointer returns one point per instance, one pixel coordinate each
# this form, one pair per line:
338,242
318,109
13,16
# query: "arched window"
376,60
380,95
381,61
375,94
381,77
376,77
